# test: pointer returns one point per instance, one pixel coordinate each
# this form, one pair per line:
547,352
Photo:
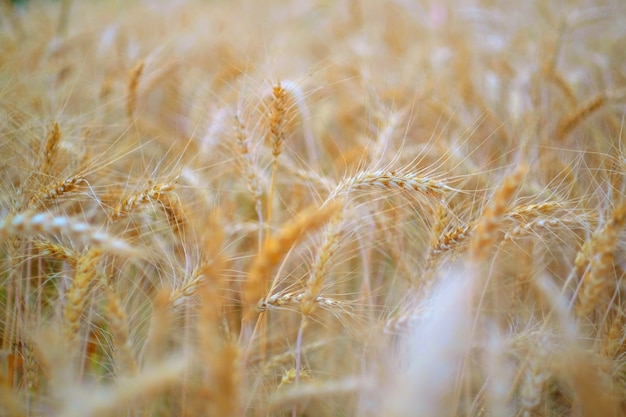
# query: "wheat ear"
275,248
55,190
580,113
484,236
133,84
33,223
57,251
50,148
278,122
614,341
296,300
366,180
78,293
318,270
535,377
602,253
118,323
151,194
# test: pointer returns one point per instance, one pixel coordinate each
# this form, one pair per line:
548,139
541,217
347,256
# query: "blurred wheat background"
312,208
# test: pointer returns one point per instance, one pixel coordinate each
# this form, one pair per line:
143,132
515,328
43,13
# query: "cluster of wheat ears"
311,207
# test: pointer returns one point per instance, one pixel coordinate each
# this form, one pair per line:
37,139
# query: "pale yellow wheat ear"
392,181
133,87
597,259
50,148
78,295
275,248
55,190
125,362
217,350
485,234
47,224
574,118
250,171
317,276
152,194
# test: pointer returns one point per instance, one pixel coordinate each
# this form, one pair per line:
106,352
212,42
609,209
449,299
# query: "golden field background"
310,208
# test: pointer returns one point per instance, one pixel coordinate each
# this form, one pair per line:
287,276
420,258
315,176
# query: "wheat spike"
33,223
278,133
366,180
78,294
57,251
132,203
484,236
533,386
118,322
133,84
317,275
298,300
580,113
56,190
50,148
598,273
276,247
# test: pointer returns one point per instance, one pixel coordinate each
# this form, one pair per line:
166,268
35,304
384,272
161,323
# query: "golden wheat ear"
485,233
276,247
599,263
133,87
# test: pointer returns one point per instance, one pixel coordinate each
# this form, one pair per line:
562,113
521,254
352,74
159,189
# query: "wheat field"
312,208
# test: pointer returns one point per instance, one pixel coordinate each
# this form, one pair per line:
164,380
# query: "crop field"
313,208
